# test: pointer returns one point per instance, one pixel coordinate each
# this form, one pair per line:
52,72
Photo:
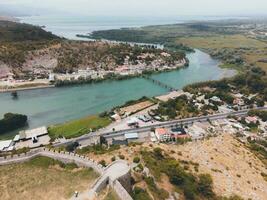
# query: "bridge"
157,82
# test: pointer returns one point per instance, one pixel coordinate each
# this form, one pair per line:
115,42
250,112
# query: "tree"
72,146
12,122
205,185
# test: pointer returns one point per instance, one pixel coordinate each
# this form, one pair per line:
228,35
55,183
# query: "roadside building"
153,137
131,137
162,134
251,120
133,122
216,99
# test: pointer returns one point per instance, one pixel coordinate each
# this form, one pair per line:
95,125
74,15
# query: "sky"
145,7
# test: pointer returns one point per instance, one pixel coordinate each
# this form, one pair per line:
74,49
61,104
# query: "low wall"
64,157
120,191
81,161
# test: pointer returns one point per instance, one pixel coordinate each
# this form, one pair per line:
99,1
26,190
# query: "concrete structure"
6,145
33,134
115,175
32,138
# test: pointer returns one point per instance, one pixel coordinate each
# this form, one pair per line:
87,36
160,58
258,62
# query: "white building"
162,134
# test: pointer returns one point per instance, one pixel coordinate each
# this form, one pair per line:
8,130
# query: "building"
251,120
133,122
6,145
33,134
131,137
216,99
162,134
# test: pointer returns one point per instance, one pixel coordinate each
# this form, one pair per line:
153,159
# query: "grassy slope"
78,127
42,178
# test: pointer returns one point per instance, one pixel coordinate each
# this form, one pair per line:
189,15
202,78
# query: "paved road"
168,124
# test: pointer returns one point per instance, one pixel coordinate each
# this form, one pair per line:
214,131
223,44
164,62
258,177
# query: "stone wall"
65,157
81,161
120,191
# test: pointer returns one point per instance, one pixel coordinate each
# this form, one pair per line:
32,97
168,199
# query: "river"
57,105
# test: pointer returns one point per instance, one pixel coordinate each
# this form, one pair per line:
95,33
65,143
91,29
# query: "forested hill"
18,32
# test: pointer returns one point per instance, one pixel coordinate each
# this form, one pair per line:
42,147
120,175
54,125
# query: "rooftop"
131,136
161,131
28,134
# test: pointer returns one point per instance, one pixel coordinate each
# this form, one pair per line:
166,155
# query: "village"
143,113
42,68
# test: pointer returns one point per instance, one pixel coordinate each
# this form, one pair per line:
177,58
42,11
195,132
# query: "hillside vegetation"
236,42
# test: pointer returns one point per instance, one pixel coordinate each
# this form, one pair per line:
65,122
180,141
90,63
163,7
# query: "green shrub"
103,163
136,160
12,122
113,158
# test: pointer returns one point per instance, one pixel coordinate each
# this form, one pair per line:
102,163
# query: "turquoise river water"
57,105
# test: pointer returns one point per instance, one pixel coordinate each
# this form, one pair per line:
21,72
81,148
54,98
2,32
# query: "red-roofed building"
251,120
162,134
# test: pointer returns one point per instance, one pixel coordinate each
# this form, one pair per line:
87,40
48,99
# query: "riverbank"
26,88
57,105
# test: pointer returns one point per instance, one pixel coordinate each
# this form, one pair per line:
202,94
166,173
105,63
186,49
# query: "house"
133,122
162,134
116,117
239,102
216,99
251,120
131,137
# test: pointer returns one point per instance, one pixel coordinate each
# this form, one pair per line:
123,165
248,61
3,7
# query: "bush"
71,147
122,157
136,160
140,194
205,185
103,163
113,158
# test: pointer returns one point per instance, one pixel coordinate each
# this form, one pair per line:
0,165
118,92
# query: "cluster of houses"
27,138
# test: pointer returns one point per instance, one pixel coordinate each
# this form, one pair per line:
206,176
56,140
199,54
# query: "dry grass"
234,169
136,107
32,181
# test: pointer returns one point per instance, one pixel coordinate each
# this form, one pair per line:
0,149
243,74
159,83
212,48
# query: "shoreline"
26,88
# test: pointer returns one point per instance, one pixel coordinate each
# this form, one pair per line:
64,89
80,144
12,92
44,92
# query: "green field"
230,41
79,127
